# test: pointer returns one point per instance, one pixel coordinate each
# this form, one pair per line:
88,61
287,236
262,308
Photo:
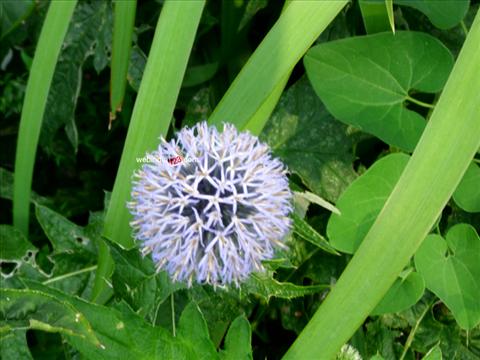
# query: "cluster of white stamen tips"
216,214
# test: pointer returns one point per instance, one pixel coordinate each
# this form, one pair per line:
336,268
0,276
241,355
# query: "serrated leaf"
81,37
266,287
404,293
362,201
33,309
366,81
64,235
136,66
193,328
15,245
451,269
308,233
123,335
467,194
13,345
238,340
136,281
443,14
310,142
74,249
12,13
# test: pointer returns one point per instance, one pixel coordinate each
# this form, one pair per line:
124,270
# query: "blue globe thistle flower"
210,206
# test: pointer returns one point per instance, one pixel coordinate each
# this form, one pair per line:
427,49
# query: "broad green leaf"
122,334
366,81
83,32
467,194
238,340
219,308
15,245
74,250
198,74
308,233
362,201
443,14
434,353
405,292
162,79
136,281
451,270
310,142
193,328
31,309
41,74
12,13
13,345
266,287
64,235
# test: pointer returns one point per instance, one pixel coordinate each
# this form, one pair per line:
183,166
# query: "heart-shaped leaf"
360,204
451,269
467,194
442,14
405,292
365,81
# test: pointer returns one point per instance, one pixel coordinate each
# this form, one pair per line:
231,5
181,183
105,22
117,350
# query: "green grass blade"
442,156
154,106
391,16
124,19
291,36
43,66
376,16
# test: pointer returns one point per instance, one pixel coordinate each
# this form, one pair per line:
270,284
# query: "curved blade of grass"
376,15
124,19
391,16
441,158
154,106
41,73
291,36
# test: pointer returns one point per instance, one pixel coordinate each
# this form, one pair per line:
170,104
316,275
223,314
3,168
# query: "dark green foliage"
344,126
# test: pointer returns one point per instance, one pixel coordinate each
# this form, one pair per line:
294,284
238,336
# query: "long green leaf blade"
41,75
154,106
291,36
441,158
124,20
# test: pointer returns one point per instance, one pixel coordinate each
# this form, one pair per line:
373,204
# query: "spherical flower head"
210,206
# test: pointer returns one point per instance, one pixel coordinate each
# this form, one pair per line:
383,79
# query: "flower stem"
172,304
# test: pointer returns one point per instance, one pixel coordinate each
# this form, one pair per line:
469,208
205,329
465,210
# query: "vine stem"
411,336
420,103
70,274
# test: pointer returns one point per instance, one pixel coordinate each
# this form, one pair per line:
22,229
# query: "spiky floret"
216,214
